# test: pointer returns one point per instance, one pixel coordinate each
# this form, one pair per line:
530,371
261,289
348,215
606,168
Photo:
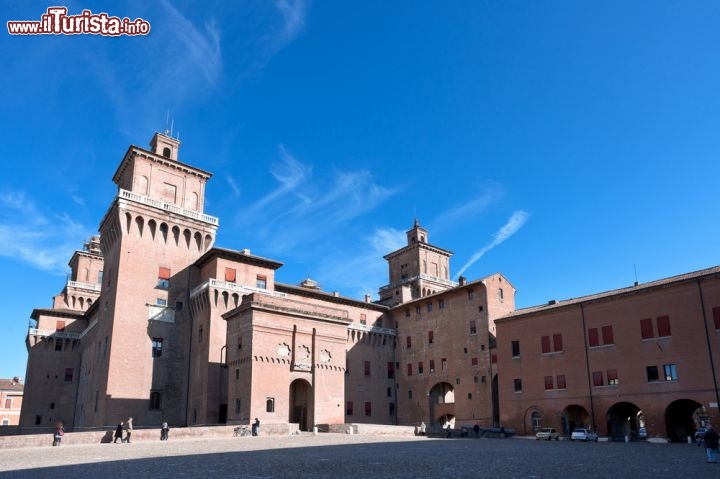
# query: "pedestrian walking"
119,433
58,434
711,444
256,427
128,430
164,430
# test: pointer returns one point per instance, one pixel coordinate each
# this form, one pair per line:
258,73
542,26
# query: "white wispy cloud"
293,14
233,185
197,49
302,204
361,269
489,193
43,241
516,221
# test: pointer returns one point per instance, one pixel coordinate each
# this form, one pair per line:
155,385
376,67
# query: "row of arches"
625,420
370,338
163,232
77,302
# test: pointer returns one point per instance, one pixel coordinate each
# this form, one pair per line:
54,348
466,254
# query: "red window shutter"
432,365
230,275
561,381
557,342
409,342
163,273
391,369
409,369
597,378
430,337
60,326
474,361
367,368
663,324
607,333
716,317
548,382
545,340
420,367
612,375
493,358
593,339
646,328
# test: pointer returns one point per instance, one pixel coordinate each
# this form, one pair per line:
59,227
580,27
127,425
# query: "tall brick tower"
135,357
416,270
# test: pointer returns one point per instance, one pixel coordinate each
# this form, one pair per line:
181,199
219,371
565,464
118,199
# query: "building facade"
159,324
11,399
635,362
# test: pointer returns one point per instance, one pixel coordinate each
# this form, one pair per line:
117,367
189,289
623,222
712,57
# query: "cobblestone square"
335,455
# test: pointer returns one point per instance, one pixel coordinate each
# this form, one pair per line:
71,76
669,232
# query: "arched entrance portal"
622,420
301,404
574,416
680,420
442,403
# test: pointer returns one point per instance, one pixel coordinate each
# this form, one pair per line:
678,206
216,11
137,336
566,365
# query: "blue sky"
565,144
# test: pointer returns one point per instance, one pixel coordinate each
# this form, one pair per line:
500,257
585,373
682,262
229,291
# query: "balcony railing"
129,195
426,277
239,288
161,313
52,334
88,286
372,329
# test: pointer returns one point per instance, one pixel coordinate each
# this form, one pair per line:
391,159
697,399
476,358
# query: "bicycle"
241,431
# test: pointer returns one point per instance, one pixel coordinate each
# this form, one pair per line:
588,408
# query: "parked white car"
548,434
583,435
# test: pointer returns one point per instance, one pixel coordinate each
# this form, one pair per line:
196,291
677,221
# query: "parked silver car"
581,434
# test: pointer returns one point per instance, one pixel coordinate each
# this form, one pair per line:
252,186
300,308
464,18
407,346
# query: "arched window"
270,405
535,418
166,152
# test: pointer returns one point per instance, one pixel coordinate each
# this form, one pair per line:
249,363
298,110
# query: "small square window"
670,372
652,373
157,347
261,281
517,385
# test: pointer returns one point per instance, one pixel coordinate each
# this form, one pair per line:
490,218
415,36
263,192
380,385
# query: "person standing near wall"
119,432
711,444
128,428
58,434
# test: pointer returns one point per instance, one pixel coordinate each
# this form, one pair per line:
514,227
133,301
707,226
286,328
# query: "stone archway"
574,416
442,402
622,421
301,410
680,419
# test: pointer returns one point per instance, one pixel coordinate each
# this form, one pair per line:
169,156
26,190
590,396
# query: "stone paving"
338,455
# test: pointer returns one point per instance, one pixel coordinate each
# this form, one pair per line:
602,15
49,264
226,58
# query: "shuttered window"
593,338
663,325
545,341
646,328
607,335
230,275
